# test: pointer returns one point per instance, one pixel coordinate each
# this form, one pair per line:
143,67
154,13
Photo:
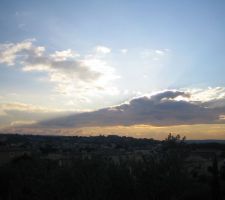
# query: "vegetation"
163,174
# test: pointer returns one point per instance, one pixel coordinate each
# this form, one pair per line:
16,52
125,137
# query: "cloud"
160,109
18,123
160,52
24,107
72,74
64,55
9,52
168,95
19,113
123,51
208,94
154,54
102,49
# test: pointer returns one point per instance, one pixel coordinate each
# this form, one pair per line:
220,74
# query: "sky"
114,65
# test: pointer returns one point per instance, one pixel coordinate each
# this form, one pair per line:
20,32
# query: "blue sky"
128,48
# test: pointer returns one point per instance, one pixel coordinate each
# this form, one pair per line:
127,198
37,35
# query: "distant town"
175,165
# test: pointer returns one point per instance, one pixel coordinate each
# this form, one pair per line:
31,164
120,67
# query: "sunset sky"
138,68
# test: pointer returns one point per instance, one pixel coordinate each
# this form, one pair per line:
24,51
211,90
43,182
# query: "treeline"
101,139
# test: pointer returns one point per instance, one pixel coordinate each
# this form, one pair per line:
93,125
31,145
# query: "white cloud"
25,122
64,55
160,52
154,54
124,51
10,51
72,74
222,117
102,49
208,94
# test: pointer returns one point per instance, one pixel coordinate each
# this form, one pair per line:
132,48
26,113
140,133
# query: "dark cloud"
161,109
